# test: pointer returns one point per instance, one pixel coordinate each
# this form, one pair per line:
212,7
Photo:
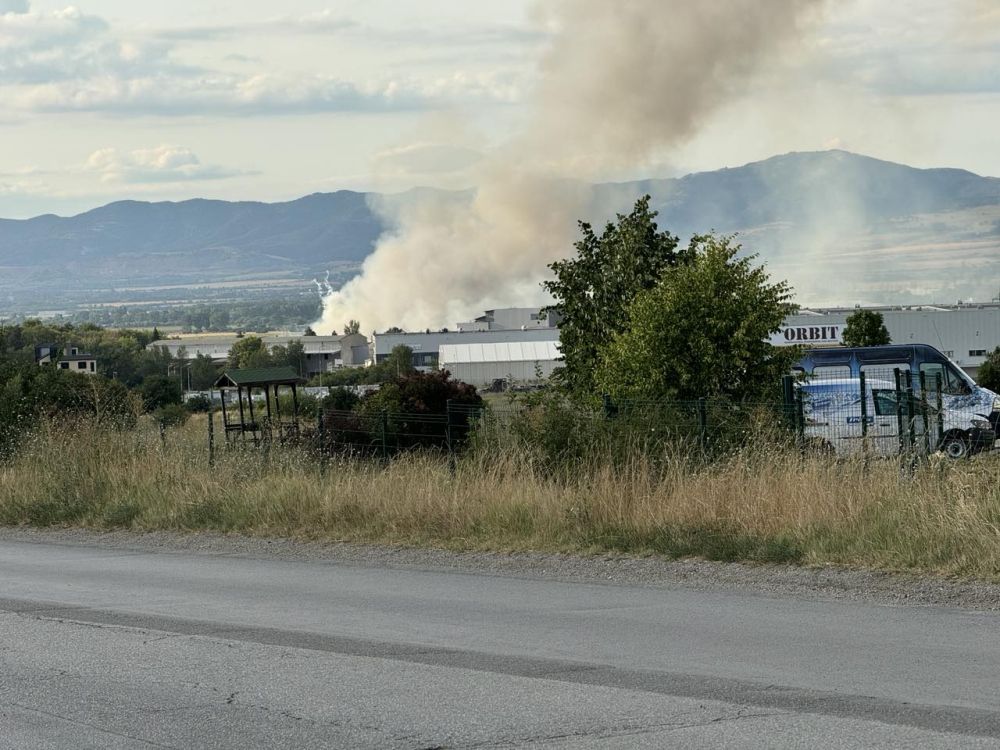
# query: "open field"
756,506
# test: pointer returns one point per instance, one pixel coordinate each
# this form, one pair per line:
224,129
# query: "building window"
64,365
93,366
977,352
81,365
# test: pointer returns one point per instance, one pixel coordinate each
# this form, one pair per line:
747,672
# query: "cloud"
323,22
68,61
154,165
919,48
261,94
14,6
68,45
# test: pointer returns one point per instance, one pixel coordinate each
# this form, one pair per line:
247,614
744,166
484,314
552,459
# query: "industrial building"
512,319
965,333
516,344
323,353
513,362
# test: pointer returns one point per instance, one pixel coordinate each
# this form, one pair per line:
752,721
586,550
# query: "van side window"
951,383
886,371
885,403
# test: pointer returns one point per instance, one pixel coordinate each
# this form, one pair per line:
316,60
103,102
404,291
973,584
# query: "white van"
835,419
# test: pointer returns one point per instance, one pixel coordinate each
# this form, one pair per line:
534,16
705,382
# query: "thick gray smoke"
621,82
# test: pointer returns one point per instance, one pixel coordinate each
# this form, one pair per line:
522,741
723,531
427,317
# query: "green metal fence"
884,412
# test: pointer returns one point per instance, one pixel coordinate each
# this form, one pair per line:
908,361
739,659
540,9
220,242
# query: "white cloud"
164,163
68,61
921,47
260,94
14,6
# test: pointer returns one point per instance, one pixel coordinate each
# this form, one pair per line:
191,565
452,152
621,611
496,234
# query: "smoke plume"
620,83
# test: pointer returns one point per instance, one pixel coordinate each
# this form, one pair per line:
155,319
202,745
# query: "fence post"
703,423
924,407
449,437
608,405
163,433
911,421
940,408
383,433
211,438
800,419
865,448
788,391
899,410
321,431
864,412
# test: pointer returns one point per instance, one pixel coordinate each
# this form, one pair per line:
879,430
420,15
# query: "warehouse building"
510,362
965,333
323,353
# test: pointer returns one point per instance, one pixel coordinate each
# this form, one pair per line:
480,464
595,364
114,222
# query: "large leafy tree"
249,351
204,373
702,331
866,328
593,290
293,355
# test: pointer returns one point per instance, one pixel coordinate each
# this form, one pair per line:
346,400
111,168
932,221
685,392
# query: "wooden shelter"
266,425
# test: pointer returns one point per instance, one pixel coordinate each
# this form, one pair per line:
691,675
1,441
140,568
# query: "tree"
204,373
398,363
988,375
293,355
158,391
702,331
309,331
593,291
352,328
866,328
249,351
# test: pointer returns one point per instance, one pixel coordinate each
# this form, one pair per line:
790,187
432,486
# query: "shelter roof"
259,377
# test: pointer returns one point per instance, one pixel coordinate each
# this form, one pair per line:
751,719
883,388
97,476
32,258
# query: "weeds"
756,504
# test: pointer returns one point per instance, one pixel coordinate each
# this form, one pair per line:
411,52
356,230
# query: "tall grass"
758,504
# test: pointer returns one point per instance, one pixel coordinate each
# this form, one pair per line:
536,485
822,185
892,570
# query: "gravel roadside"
768,580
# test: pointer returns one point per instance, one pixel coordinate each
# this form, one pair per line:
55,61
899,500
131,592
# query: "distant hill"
808,187
832,210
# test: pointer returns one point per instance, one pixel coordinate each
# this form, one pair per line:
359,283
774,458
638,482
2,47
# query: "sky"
256,100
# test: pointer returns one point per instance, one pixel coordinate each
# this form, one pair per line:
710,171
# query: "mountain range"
900,232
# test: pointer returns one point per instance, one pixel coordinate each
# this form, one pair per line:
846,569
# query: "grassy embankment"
759,506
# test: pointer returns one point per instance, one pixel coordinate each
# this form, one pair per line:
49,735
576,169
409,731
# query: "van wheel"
955,446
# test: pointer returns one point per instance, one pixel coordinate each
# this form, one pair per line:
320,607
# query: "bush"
158,391
172,415
198,404
29,394
413,400
341,399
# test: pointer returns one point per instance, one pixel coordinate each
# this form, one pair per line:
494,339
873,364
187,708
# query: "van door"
883,433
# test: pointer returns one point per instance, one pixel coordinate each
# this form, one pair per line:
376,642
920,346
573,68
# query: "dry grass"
758,506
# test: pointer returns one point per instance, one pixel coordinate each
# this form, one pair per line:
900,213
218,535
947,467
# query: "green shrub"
172,415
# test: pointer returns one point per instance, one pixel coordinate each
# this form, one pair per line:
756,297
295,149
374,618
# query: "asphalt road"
110,648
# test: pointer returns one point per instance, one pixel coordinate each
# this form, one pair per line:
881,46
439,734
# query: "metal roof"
503,351
259,376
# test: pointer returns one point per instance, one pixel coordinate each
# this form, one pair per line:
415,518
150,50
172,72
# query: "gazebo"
264,426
